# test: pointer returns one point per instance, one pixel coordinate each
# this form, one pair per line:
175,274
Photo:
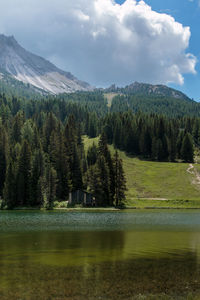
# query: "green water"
100,255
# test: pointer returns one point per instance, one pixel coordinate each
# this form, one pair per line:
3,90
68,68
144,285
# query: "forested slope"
42,155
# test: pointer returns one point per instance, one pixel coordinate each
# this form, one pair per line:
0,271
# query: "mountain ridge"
42,77
32,69
138,88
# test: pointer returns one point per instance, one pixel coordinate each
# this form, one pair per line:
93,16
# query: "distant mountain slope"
170,107
35,70
149,98
13,87
137,88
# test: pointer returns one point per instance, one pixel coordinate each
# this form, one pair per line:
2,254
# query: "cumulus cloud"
101,41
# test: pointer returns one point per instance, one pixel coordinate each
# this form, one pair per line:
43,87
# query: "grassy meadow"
157,184
109,97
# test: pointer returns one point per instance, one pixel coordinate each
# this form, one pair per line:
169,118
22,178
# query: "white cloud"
101,41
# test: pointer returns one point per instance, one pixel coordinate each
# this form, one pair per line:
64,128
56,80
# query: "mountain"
13,87
43,77
148,98
137,88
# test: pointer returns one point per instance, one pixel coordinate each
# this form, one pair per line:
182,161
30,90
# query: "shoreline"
130,204
100,209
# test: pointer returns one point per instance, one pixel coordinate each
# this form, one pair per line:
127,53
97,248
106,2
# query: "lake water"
147,254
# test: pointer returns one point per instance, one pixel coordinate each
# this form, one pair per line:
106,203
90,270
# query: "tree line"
152,136
44,160
42,156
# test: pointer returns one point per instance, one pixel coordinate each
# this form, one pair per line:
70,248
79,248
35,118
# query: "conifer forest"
42,155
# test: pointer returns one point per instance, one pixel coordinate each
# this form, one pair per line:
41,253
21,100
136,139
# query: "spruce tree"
4,152
105,152
118,136
24,175
50,187
9,188
187,149
37,173
104,177
76,170
27,132
120,180
16,127
92,155
145,143
50,125
92,126
171,142
179,143
95,184
59,160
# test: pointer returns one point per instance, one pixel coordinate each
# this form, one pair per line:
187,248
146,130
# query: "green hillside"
164,105
157,184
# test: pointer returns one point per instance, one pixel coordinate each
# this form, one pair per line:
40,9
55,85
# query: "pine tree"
76,170
4,152
179,143
154,149
120,180
50,187
92,155
41,192
171,142
105,180
160,150
145,143
27,132
9,188
75,152
187,149
92,126
70,133
104,151
118,137
195,131
16,127
24,175
59,160
50,125
80,144
103,147
37,173
95,184
132,140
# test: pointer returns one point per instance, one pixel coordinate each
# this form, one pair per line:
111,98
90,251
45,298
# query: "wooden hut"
80,197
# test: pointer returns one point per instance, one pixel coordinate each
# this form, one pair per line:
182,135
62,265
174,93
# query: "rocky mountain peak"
32,69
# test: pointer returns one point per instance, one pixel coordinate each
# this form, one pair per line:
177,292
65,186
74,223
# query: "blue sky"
187,13
103,43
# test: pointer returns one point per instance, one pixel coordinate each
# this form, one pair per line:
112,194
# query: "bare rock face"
35,70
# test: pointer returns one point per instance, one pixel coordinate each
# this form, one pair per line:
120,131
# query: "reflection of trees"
88,265
109,280
178,275
27,258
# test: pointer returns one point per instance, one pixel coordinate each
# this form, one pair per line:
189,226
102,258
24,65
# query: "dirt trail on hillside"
193,171
191,167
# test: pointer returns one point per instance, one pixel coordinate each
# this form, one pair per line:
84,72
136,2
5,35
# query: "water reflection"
100,264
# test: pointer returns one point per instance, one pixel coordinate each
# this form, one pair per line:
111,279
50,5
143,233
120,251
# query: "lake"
144,254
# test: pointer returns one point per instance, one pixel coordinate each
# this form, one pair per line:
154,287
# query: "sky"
108,42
